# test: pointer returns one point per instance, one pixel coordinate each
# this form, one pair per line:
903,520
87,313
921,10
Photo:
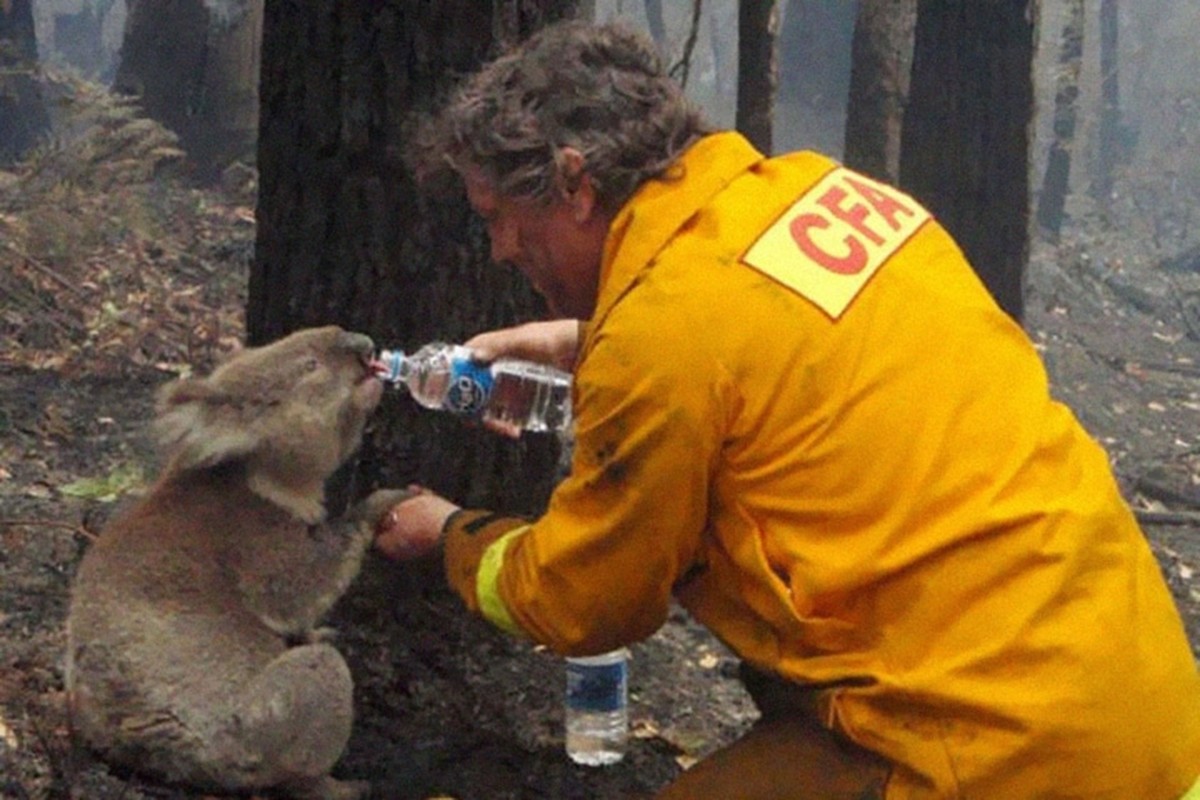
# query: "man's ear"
575,184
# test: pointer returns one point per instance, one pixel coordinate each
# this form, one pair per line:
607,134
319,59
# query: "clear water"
529,396
596,739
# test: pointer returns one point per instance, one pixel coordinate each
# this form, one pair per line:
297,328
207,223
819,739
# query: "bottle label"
594,689
470,385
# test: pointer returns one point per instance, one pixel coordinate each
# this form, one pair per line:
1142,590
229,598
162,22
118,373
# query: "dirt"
446,706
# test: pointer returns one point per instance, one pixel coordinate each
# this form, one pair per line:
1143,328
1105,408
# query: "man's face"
558,245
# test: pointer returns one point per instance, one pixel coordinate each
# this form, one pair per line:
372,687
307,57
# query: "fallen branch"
1167,517
49,523
34,263
1164,493
1190,370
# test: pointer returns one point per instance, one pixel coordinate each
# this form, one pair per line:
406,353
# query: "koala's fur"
192,647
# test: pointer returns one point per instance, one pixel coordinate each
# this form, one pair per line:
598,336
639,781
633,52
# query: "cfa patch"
829,243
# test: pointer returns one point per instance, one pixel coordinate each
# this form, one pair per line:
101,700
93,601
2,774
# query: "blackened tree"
881,62
965,141
345,236
23,118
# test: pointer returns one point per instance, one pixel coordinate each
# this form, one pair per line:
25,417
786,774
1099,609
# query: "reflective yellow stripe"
487,590
1194,792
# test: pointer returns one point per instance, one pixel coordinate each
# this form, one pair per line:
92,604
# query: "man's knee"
781,759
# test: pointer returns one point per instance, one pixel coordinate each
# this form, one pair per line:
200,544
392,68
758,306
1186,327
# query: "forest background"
128,240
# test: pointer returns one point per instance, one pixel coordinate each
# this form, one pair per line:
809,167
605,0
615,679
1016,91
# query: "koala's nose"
359,344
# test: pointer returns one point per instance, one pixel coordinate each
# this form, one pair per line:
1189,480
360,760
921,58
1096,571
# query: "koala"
193,648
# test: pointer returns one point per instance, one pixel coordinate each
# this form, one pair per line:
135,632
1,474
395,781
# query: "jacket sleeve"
596,571
475,542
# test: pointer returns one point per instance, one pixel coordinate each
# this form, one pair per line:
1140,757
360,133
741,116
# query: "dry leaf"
686,762
7,736
644,729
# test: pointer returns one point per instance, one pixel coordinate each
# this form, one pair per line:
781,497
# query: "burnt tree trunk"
1056,184
656,23
881,61
758,26
965,149
195,66
345,237
23,118
1108,152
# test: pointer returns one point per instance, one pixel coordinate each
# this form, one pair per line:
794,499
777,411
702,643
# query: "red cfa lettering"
863,215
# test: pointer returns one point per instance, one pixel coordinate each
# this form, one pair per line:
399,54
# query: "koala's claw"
323,635
371,511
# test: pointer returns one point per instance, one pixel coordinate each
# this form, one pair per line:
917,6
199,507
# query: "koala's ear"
186,390
189,424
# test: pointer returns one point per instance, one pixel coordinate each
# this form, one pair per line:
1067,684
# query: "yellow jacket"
799,412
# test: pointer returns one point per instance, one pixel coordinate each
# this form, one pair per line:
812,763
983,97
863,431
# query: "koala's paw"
323,635
371,511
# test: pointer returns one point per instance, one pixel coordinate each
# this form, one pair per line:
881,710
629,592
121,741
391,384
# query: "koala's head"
293,411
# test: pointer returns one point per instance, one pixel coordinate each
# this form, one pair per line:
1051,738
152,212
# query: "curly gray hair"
600,89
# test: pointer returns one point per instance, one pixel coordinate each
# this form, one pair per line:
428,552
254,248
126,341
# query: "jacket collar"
660,207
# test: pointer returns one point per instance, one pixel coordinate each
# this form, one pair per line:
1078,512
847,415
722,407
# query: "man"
799,413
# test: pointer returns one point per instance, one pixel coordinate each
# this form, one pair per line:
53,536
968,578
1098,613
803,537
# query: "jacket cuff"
466,534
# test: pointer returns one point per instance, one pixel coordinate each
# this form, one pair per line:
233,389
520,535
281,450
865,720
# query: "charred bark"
344,235
1056,184
758,27
23,118
195,66
881,61
1109,136
965,140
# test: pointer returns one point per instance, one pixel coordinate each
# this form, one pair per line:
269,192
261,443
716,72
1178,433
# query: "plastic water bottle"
597,708
523,394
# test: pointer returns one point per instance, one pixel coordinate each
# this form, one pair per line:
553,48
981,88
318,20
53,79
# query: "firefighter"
800,415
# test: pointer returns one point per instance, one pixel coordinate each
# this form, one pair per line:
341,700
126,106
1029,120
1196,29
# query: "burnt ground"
112,281
438,718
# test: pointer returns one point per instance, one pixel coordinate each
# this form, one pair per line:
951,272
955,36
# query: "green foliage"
122,480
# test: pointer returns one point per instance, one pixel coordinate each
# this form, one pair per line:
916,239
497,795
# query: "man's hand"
555,343
413,528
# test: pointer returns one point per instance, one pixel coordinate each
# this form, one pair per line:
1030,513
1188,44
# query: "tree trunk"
881,61
23,118
758,26
1056,184
965,137
195,65
1108,153
656,24
344,237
